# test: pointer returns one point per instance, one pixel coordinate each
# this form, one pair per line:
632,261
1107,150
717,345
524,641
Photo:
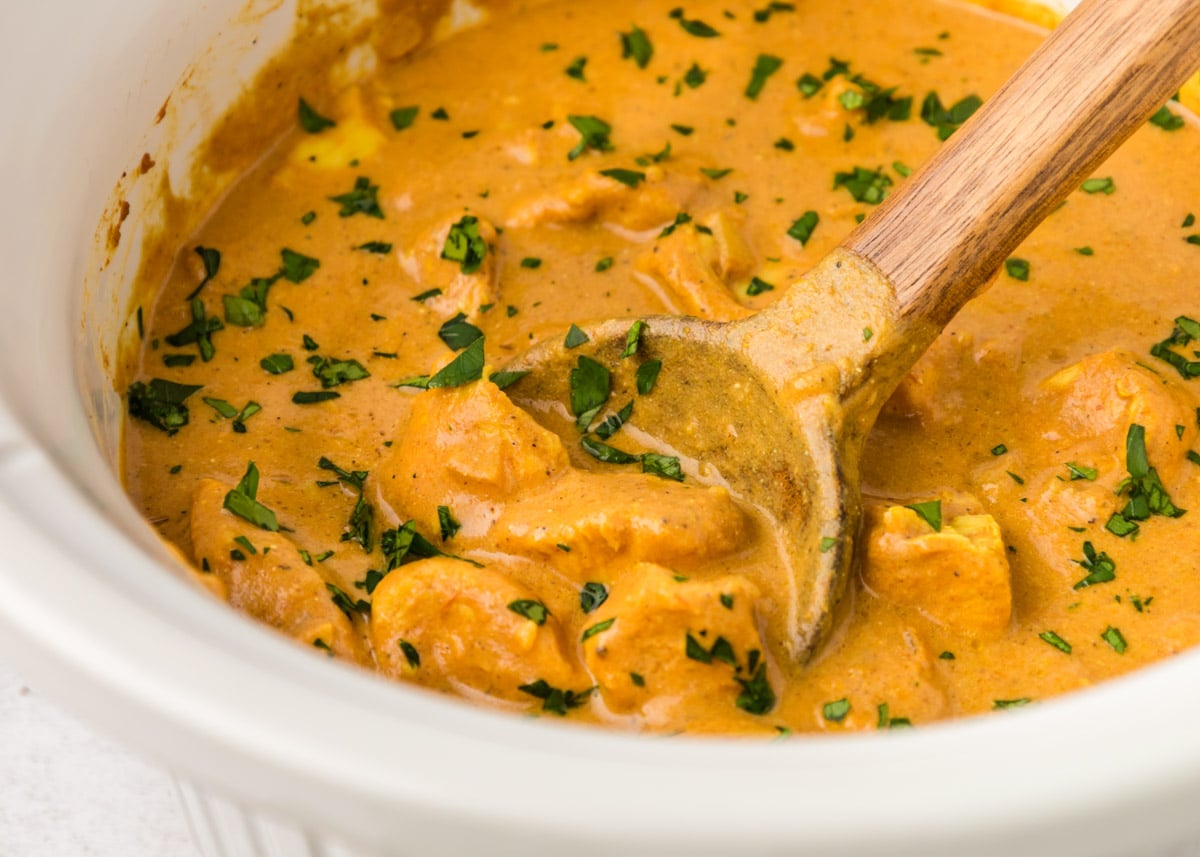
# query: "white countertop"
67,792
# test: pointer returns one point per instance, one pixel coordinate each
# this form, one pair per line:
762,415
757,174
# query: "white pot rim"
226,701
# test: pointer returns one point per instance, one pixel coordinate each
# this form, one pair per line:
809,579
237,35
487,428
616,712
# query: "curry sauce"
319,422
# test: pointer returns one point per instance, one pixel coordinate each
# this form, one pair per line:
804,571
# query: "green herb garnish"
1052,639
592,596
243,502
636,45
403,117
764,66
160,403
534,611
465,245
930,512
593,133
802,229
363,199
312,121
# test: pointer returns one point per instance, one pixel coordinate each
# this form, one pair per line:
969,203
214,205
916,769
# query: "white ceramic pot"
93,609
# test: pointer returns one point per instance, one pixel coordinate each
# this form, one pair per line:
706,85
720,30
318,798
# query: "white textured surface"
67,792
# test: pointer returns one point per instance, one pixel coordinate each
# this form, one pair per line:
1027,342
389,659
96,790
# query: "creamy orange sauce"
1051,366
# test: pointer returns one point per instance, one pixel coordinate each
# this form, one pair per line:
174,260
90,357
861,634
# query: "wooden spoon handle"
1094,81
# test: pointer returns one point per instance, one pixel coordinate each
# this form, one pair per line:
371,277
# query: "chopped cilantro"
809,85
458,333
613,422
345,603
334,373
1081,471
836,711
312,121
363,199
575,337
756,697
200,331
307,398
869,186
593,133
590,385
1099,185
534,611
629,178
697,28
607,454
160,403
359,527
426,295
554,699
212,264
1114,638
764,66
604,264
802,228
598,628
505,379
592,596
757,286
575,69
948,120
463,369
1016,268
1100,567
930,512
664,466
633,339
243,502
1167,120
410,654
296,266
1052,639
1186,330
647,376
1147,495
403,117
636,45
465,245
695,76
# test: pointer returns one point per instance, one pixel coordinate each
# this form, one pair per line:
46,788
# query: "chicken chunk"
469,448
633,516
457,259
508,481
1093,403
449,625
674,649
264,575
958,577
594,197
697,267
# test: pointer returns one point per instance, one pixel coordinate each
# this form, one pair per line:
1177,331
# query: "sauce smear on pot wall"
318,418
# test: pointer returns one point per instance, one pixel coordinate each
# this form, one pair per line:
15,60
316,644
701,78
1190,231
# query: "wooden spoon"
779,405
